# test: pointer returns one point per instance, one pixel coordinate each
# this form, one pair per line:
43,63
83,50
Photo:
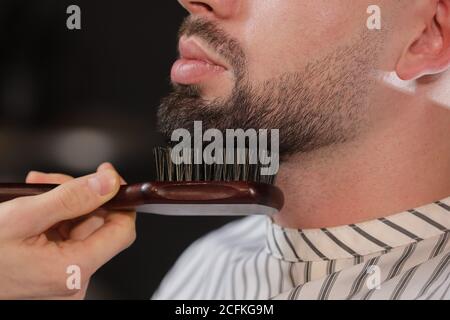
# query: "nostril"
202,5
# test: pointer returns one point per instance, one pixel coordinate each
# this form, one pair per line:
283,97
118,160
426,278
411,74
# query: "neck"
400,163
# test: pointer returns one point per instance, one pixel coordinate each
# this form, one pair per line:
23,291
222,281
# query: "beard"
321,105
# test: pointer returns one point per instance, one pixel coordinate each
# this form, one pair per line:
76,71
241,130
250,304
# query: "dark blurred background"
71,99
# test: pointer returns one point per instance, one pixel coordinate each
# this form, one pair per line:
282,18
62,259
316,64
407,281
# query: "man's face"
304,67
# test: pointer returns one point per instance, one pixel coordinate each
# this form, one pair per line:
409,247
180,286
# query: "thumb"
70,200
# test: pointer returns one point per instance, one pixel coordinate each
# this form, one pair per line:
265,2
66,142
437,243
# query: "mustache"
226,46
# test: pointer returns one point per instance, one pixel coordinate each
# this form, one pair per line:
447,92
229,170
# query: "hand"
41,236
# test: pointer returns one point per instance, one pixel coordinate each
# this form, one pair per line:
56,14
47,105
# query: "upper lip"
192,49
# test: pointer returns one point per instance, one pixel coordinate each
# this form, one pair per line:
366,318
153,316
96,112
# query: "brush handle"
132,196
10,191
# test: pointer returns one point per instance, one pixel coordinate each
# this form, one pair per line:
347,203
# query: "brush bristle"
167,171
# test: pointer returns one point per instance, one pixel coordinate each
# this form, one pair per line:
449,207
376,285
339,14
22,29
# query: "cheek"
284,35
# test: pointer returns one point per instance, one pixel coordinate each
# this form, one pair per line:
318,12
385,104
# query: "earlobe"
429,53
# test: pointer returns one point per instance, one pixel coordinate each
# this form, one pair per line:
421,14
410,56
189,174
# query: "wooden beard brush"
186,190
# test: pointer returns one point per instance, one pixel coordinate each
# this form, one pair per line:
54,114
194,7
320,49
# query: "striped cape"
403,256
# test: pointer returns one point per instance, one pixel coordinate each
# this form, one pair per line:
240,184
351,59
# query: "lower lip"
186,71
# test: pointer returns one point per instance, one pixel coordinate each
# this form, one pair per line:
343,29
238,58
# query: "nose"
222,9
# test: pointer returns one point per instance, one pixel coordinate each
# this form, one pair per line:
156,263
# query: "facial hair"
323,104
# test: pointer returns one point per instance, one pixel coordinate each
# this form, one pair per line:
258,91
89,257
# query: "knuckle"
73,199
128,226
131,237
68,200
124,235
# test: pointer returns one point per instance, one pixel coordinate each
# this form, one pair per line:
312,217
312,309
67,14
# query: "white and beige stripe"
256,259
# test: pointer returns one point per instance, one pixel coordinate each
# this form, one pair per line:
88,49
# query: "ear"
429,52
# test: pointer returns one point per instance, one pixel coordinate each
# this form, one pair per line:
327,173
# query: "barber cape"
404,256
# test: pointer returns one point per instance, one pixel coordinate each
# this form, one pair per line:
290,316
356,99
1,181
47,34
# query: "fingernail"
103,183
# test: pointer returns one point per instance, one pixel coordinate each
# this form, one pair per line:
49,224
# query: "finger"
70,200
80,228
117,234
107,166
86,228
51,178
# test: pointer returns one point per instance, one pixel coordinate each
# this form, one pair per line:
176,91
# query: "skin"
41,236
401,157
271,53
